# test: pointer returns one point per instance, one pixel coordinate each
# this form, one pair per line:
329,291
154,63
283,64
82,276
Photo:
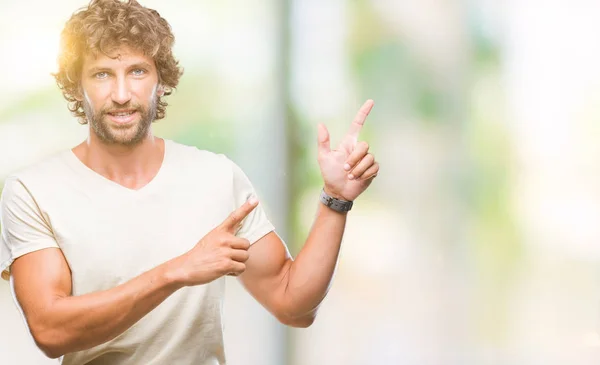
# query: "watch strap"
334,203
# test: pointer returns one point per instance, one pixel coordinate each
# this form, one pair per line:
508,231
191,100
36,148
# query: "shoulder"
195,162
194,157
41,172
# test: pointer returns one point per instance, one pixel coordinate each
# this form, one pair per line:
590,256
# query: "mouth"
122,116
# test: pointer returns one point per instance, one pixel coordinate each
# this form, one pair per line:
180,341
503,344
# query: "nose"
121,93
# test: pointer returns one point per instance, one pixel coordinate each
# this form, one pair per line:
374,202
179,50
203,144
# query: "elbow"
47,341
49,349
298,321
301,322
50,352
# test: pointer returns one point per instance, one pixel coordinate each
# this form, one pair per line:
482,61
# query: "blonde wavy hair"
102,27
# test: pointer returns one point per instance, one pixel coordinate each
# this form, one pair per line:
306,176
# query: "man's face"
119,95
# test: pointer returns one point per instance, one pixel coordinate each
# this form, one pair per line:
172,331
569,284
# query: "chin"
125,137
128,134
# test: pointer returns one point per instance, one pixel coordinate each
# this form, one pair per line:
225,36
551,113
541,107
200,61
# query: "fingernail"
346,167
350,176
253,200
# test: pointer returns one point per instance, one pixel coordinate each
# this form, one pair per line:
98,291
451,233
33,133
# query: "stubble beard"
128,135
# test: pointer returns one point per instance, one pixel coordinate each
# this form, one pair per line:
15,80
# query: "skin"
291,289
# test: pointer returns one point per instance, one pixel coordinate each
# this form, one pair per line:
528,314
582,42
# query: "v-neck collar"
103,182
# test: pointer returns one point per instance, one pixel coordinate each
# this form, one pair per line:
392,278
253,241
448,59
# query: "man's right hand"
218,253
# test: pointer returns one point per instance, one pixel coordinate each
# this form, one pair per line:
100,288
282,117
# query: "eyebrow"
145,65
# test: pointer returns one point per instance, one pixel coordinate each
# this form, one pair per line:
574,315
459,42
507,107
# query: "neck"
130,166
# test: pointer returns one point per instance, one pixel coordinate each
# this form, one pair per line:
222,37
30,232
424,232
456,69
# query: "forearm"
310,274
76,323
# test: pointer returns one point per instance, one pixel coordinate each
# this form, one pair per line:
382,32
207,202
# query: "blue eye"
138,72
101,75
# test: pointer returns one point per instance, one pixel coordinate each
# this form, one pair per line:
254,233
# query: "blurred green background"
479,241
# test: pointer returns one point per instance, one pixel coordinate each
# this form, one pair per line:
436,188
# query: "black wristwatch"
338,205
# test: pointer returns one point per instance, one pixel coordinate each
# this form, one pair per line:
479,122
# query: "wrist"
172,274
333,194
336,204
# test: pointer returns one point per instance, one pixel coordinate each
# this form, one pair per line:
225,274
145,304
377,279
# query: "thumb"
323,139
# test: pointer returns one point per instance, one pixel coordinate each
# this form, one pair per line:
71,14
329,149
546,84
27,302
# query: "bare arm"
61,323
293,289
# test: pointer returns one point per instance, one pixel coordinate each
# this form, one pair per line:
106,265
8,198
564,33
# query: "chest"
108,239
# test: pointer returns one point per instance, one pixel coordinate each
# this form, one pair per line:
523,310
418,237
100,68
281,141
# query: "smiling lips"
122,116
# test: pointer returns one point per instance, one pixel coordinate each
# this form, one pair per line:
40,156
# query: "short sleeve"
23,226
256,224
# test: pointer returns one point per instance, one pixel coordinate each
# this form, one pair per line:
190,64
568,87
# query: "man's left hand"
349,169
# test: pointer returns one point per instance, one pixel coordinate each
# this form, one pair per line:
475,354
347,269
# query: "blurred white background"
479,241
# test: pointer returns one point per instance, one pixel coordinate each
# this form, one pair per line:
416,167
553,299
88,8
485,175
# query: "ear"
160,91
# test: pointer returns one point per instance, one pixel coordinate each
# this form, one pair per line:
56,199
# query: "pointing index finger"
237,216
359,119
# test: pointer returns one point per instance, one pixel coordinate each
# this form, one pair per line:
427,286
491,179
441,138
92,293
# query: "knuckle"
234,216
242,256
222,240
224,265
246,244
364,145
225,253
232,266
365,164
234,269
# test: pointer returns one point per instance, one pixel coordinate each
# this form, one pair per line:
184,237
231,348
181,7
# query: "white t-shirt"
110,234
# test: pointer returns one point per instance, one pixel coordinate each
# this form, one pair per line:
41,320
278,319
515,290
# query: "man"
117,249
